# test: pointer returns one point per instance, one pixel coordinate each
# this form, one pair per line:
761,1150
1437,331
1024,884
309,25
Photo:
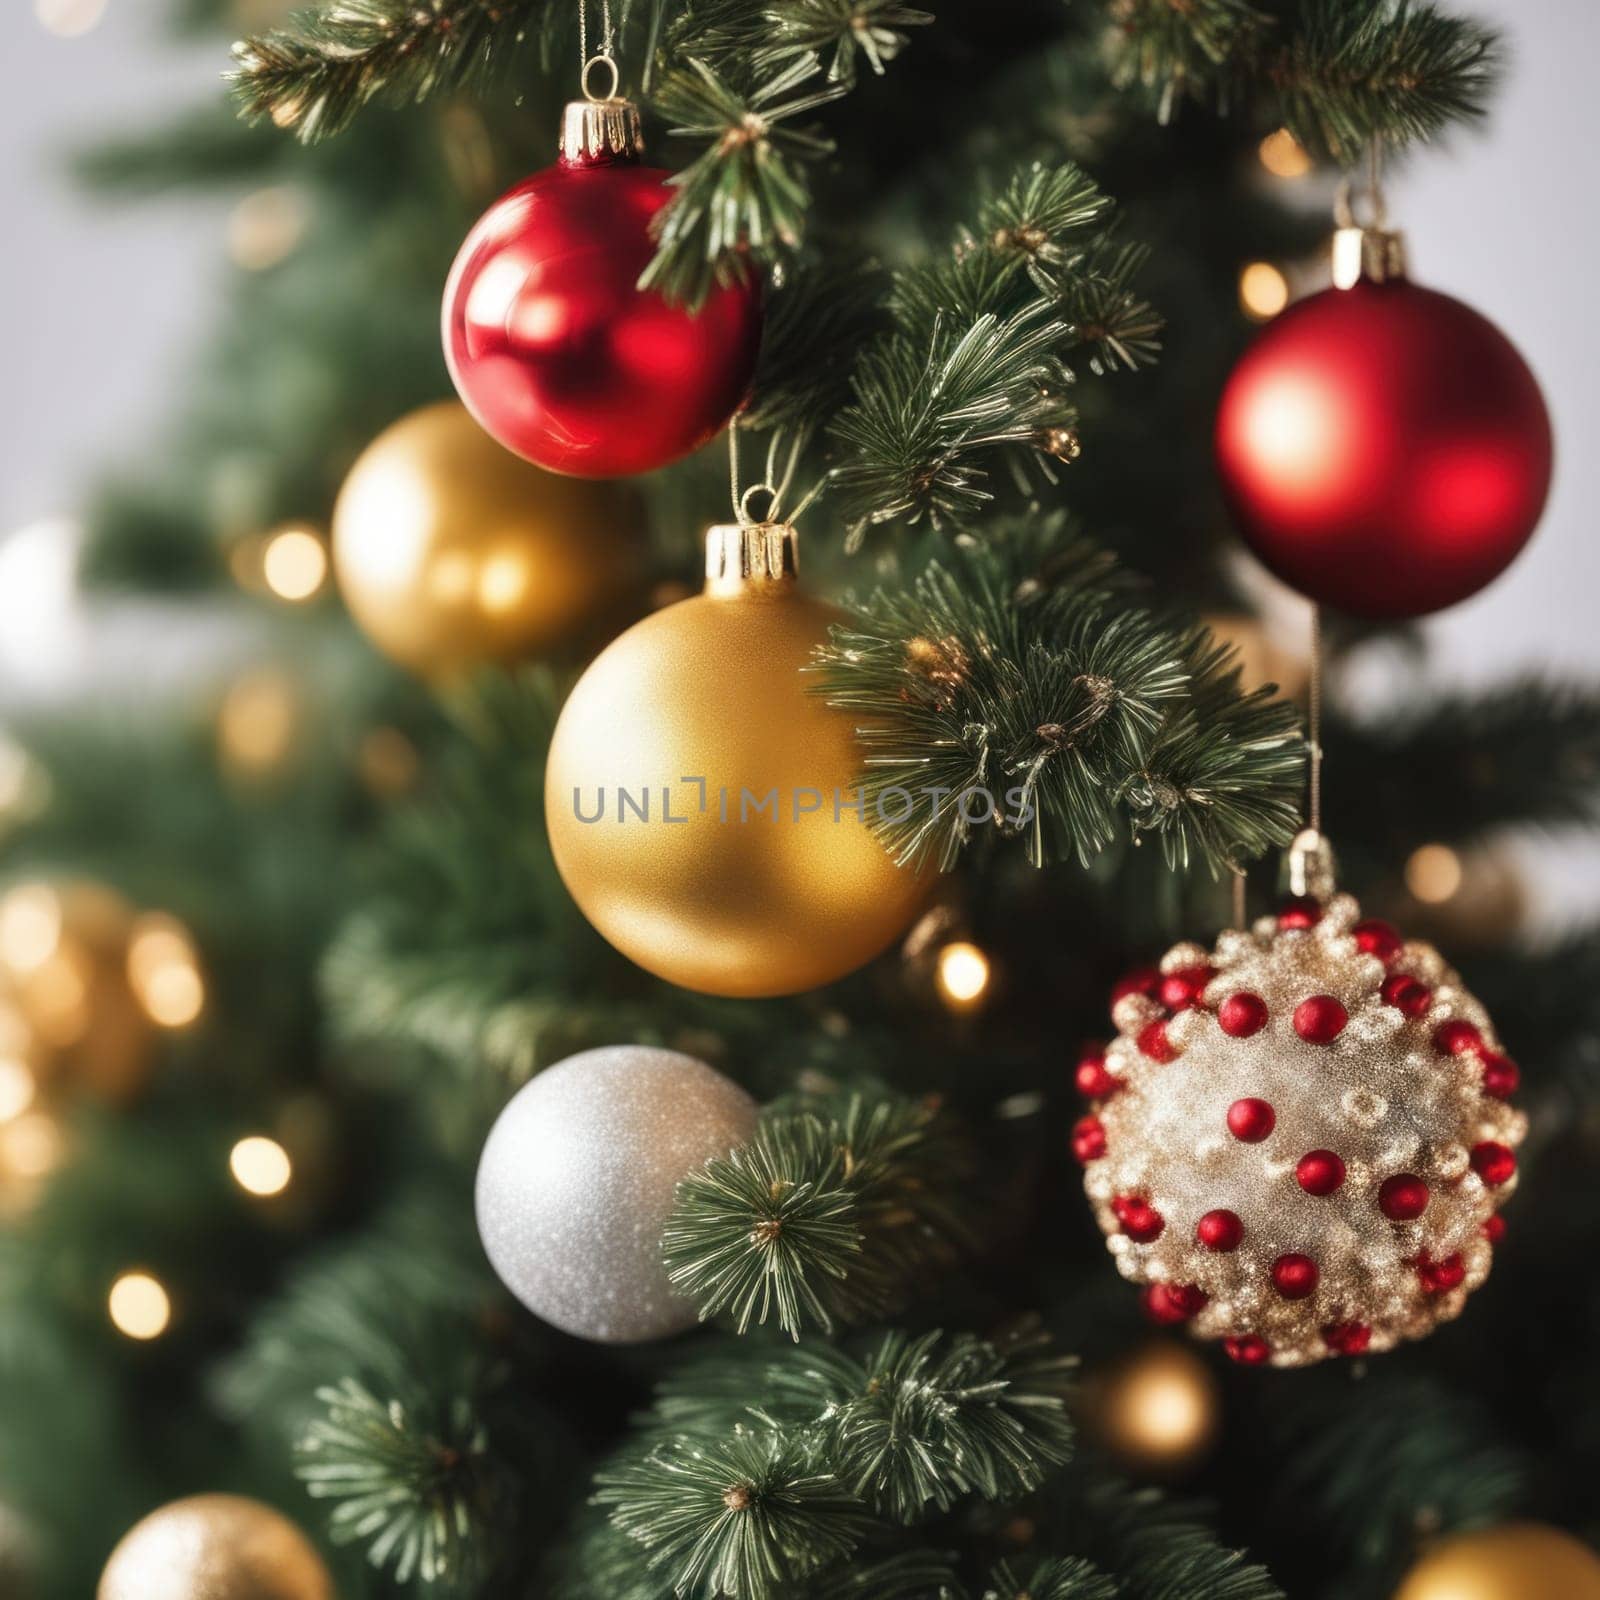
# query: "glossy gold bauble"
452,552
66,999
691,791
1156,1410
215,1547
1520,1561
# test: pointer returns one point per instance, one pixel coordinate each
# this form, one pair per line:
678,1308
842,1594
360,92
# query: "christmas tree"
576,1073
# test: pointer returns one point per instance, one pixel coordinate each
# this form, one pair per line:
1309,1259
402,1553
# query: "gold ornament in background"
452,552
1157,1410
215,1547
70,1011
1262,659
1472,897
751,882
1520,1561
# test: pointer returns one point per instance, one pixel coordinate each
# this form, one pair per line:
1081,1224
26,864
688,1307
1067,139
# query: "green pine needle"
733,1517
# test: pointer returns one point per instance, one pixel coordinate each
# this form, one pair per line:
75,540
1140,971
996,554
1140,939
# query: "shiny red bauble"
561,356
1384,448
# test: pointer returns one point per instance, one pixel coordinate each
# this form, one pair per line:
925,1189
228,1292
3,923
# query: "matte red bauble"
553,346
1385,449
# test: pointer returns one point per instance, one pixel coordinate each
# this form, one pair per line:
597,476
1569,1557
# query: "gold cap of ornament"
739,554
600,127
1365,252
1309,866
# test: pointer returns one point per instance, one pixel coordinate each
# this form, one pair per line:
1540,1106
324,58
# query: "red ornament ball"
1320,1172
1219,1230
1320,1020
557,351
1384,448
1403,1198
1093,1080
1251,1120
1088,1139
1242,1014
1294,1276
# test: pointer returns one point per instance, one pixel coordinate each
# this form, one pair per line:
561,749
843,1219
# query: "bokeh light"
963,974
1433,873
1283,155
69,19
260,1166
294,563
164,970
257,722
140,1308
1263,291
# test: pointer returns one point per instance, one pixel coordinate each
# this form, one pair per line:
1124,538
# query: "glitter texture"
215,1547
577,1178
1318,1268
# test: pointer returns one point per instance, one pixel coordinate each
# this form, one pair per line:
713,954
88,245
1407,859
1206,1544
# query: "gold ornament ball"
215,1547
1520,1561
64,980
1156,1411
452,552
690,791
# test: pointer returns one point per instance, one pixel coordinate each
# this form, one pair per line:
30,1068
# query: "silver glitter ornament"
1300,1138
576,1183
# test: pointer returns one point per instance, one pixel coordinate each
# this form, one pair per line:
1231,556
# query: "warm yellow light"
260,1166
139,1306
30,1146
1433,873
1263,291
266,226
1284,156
963,973
502,582
257,721
30,926
164,971
1159,1408
69,19
17,1088
295,563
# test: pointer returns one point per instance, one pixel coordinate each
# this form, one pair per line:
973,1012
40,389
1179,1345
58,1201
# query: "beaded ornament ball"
1299,1141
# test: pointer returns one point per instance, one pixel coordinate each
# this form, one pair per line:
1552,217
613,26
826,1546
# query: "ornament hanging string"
1314,723
605,54
776,491
1239,885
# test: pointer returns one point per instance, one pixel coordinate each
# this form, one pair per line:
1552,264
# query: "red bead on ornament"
1384,448
552,344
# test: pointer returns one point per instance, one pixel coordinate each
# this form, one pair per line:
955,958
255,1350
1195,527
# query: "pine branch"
744,195
316,73
1394,71
756,1472
1053,1578
1074,714
841,34
1341,74
737,1517
1456,766
827,1215
411,1486
978,360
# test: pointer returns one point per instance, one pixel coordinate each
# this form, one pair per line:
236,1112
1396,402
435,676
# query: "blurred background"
105,304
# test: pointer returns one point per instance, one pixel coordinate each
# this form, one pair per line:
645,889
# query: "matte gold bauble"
451,552
1156,1410
66,999
215,1547
701,802
1520,1561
